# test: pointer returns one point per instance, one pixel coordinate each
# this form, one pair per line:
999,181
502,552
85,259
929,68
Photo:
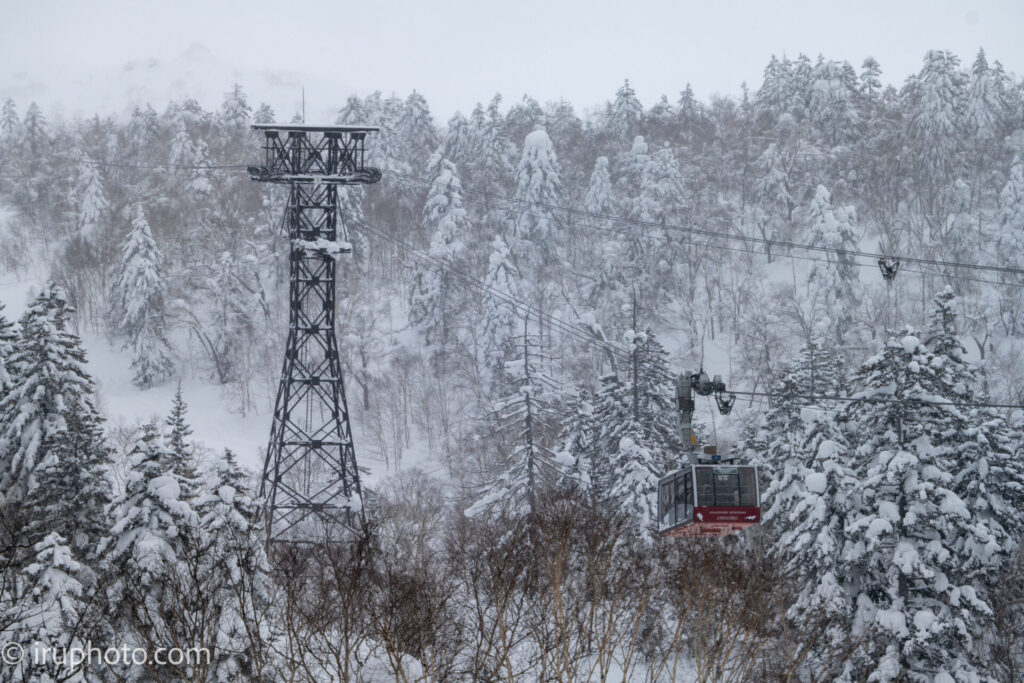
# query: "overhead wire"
784,244
570,330
624,354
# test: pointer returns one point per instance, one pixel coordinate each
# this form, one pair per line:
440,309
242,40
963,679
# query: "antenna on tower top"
303,104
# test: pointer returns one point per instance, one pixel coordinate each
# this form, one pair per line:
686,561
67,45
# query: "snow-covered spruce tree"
150,519
456,145
614,257
235,568
1011,248
985,110
499,314
8,337
235,109
834,286
9,121
50,615
781,428
819,370
612,413
493,162
934,115
415,131
774,199
643,445
85,250
815,375
93,210
137,304
599,197
352,222
528,417
989,477
435,303
48,412
230,305
628,173
538,226
624,114
806,507
911,539
832,102
181,450
72,486
264,114
578,442
661,187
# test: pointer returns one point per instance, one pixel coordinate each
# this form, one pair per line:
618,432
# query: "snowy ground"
213,414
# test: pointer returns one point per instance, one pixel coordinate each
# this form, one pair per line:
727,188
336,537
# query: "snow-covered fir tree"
181,459
493,156
538,225
661,187
1011,247
137,304
435,302
264,114
235,110
72,486
50,617
8,336
500,320
235,559
230,308
48,414
93,211
151,521
935,112
637,433
658,201
807,504
415,132
624,113
819,371
989,478
457,145
774,199
985,107
607,291
528,416
834,285
816,375
911,538
578,442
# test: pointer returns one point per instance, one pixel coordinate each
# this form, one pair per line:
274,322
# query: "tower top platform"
313,128
299,153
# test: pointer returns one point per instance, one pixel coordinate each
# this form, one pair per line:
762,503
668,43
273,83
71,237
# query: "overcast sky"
460,52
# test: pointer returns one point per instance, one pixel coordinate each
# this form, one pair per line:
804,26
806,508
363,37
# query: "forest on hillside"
525,283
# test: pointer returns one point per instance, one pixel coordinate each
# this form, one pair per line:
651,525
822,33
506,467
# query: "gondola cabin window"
708,500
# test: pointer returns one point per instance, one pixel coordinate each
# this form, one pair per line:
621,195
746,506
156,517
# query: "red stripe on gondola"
710,522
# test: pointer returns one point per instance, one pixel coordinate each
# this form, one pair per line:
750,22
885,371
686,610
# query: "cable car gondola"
708,497
708,500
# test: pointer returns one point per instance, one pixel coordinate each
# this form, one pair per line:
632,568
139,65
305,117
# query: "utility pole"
310,484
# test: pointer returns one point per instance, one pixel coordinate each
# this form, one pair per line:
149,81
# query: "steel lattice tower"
310,479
